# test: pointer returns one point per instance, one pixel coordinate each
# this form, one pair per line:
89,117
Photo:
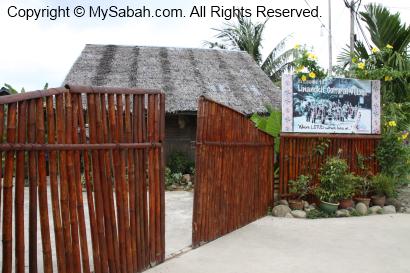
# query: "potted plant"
382,186
299,188
332,187
349,182
363,187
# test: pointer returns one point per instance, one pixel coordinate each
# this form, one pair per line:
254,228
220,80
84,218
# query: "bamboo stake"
1,152
124,186
90,198
19,191
42,190
99,201
33,189
131,182
71,185
106,185
117,184
8,191
52,163
78,185
65,211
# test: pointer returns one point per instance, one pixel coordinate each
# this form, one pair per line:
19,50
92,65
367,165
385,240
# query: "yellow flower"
300,68
312,56
392,123
361,65
303,78
404,136
297,46
312,75
354,60
375,50
388,78
389,46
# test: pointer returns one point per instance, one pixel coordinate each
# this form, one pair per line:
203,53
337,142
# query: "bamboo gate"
299,154
234,172
106,140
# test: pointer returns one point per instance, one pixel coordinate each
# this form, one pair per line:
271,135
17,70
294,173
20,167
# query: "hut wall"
180,134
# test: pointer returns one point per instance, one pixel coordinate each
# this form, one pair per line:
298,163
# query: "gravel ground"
404,198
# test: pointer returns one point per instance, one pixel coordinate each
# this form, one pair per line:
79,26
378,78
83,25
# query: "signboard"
331,105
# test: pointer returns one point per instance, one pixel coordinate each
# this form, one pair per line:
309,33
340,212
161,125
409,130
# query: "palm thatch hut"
230,77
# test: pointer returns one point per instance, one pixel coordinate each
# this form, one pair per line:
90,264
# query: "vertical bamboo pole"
109,183
1,153
42,189
8,190
131,182
196,213
71,185
65,211
78,186
138,121
52,163
19,191
33,189
157,150
151,180
162,174
106,185
117,183
99,201
124,185
89,189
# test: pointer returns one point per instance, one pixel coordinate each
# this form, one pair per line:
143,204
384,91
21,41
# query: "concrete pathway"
178,220
373,244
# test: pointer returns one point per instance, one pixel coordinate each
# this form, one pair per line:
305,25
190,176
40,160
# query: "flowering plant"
373,67
306,65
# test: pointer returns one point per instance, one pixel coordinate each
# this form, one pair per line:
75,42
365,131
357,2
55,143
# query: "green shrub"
172,178
350,182
316,213
393,152
333,186
384,185
178,162
300,186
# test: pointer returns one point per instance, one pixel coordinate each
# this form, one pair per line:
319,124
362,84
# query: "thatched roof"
230,77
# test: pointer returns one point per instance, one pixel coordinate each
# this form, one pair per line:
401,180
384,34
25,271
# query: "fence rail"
234,172
93,161
299,154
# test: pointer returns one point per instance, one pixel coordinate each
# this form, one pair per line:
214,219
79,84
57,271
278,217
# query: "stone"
342,213
388,209
375,210
309,209
361,208
298,213
289,215
284,202
280,210
305,204
394,202
186,177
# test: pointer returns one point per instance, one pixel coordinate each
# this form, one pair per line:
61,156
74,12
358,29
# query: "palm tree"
247,36
385,29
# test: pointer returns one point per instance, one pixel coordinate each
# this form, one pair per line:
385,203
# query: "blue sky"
35,52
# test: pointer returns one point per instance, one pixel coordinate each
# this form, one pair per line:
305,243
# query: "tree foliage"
247,36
